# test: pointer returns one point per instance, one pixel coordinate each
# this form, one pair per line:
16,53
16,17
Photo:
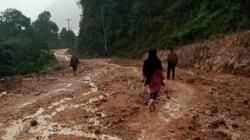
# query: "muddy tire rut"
106,101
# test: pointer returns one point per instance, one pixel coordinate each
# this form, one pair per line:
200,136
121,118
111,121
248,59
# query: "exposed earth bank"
229,54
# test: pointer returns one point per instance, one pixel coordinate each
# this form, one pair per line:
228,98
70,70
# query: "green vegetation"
133,26
67,38
46,30
25,46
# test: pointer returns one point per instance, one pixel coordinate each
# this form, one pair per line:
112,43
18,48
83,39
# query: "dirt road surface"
106,102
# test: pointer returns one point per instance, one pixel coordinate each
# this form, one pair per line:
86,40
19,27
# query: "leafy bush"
25,49
133,26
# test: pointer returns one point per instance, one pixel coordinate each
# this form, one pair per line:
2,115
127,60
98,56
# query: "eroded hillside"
229,54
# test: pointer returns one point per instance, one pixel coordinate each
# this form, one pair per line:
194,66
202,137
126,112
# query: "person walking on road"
172,62
74,62
153,76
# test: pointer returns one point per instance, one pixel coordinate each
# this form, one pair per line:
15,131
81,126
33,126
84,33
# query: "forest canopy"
130,27
25,47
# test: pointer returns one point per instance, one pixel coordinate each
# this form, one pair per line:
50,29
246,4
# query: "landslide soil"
107,101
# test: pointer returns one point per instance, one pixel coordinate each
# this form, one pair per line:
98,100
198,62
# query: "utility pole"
104,32
68,20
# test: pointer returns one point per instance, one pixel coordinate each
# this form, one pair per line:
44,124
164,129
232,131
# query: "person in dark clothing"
74,62
172,62
152,76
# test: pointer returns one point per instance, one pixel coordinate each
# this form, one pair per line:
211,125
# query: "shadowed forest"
132,27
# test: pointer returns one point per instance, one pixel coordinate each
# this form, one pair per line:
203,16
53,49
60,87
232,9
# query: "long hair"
151,64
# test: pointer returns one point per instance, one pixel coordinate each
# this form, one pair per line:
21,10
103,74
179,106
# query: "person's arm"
162,78
143,73
177,59
168,58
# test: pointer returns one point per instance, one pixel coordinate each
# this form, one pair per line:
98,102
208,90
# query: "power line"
69,20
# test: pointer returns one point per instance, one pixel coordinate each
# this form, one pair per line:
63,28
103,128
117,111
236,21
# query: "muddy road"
106,102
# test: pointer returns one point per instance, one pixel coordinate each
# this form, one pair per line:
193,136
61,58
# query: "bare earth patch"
107,101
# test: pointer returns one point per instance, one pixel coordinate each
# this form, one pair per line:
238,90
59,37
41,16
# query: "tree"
140,24
14,24
45,29
21,51
67,38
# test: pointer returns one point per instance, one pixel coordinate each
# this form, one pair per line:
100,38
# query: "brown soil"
228,54
107,101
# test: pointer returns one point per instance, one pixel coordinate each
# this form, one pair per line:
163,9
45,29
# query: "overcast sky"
60,10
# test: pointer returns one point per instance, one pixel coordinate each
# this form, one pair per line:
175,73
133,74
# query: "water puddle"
25,104
68,85
3,94
56,91
46,129
87,80
15,128
59,102
75,106
39,112
173,110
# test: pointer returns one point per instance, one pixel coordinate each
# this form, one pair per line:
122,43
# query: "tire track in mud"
153,125
47,128
183,94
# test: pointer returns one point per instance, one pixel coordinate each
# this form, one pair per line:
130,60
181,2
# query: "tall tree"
140,24
45,29
14,24
20,50
67,38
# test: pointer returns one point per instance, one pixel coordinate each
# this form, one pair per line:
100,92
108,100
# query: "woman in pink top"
152,76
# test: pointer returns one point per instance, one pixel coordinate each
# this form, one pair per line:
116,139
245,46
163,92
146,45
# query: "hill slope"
131,27
229,54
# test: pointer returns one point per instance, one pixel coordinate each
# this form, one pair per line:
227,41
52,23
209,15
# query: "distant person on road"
153,76
74,62
172,62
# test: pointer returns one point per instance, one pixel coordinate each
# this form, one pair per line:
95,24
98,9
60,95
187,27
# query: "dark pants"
171,68
74,69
